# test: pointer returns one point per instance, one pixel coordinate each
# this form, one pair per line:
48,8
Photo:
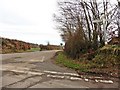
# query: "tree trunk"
118,19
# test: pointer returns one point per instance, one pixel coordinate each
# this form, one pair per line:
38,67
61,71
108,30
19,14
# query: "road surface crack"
23,80
43,79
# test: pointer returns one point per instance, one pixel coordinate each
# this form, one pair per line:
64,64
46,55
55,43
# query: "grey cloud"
10,18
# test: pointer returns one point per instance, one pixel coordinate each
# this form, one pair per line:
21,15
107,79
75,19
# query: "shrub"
75,46
107,56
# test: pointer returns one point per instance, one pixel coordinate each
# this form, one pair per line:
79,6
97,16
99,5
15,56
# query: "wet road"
37,70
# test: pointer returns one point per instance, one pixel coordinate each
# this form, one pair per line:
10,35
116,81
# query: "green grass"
63,60
110,47
20,51
33,49
100,61
106,60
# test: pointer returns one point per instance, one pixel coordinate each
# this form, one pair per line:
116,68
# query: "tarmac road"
36,70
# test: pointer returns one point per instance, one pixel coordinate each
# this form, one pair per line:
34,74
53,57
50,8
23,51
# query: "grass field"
34,49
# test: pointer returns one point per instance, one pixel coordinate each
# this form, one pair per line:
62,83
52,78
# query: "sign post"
104,27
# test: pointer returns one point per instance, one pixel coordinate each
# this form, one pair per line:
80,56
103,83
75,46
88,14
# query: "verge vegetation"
105,61
91,45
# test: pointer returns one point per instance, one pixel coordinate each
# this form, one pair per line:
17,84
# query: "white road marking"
63,77
56,76
35,73
53,72
96,80
12,68
86,80
26,72
72,74
106,81
43,58
98,77
22,70
74,78
34,60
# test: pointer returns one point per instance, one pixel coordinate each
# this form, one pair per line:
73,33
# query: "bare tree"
75,20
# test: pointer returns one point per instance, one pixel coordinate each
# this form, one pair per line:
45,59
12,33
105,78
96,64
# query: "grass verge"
62,59
102,64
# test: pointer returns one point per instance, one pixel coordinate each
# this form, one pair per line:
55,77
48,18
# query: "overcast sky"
29,20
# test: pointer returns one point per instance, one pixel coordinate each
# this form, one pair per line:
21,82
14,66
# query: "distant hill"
13,45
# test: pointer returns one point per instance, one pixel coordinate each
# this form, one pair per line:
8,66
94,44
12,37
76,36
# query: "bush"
76,46
110,49
107,56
